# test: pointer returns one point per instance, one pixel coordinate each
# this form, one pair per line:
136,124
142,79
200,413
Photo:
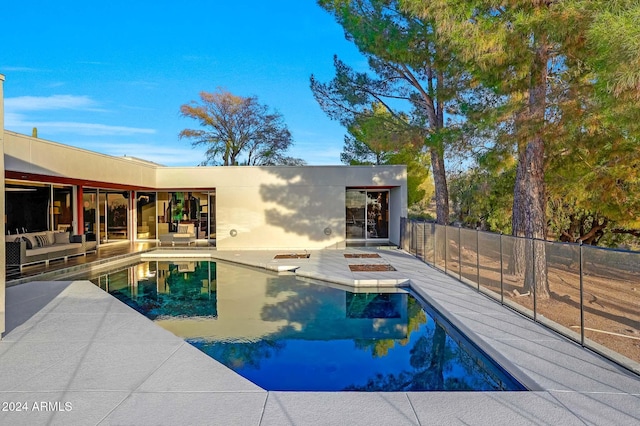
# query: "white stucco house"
52,186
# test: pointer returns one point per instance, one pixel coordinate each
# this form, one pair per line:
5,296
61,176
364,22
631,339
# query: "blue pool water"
285,333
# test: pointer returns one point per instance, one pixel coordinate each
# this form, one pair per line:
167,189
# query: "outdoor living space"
100,362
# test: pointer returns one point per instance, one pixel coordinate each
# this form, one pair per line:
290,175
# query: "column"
79,210
2,210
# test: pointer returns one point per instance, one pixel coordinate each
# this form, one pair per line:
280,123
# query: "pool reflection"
285,333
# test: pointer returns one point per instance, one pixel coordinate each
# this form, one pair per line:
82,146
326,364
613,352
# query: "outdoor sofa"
45,246
186,234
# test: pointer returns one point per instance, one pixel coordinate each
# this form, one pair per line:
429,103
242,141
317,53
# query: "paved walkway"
73,354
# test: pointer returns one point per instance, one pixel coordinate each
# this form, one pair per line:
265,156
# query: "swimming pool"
291,334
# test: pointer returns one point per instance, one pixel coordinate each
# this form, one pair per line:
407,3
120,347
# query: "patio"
69,342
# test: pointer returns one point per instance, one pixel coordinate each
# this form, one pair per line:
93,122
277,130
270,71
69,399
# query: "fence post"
478,257
424,242
501,272
581,299
446,244
413,238
460,252
533,271
435,243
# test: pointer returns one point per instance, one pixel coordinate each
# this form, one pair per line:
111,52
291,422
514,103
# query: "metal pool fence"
593,293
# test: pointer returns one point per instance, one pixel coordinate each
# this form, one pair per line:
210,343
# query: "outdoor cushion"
28,241
68,248
50,236
32,240
183,229
42,240
62,237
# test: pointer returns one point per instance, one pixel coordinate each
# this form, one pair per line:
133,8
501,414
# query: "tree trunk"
437,159
225,157
440,183
535,220
517,260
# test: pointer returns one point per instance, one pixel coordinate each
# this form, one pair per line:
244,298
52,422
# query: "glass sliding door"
31,207
27,207
113,208
90,213
356,203
164,215
378,214
102,216
146,215
367,214
187,207
62,211
210,212
195,203
117,215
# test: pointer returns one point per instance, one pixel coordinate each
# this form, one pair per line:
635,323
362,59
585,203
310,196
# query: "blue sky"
111,76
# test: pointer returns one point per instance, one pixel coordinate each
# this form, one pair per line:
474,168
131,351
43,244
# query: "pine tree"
514,48
412,74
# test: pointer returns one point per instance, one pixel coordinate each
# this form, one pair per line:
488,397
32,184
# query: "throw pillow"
183,229
62,237
42,240
28,241
32,240
51,238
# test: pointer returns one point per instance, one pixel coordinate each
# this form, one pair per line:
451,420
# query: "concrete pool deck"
73,354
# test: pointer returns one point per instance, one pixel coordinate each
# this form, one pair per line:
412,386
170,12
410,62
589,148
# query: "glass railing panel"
490,264
517,269
562,307
430,241
611,282
404,234
469,257
412,245
453,250
441,245
419,240
514,255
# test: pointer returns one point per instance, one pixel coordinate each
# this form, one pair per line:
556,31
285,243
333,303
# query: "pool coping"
575,385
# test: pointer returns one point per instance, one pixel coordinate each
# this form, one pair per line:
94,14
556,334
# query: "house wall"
285,207
27,154
397,210
2,222
256,207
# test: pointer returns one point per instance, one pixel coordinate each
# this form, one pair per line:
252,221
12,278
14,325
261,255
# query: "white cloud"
91,129
167,155
16,110
17,69
55,102
13,120
18,123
